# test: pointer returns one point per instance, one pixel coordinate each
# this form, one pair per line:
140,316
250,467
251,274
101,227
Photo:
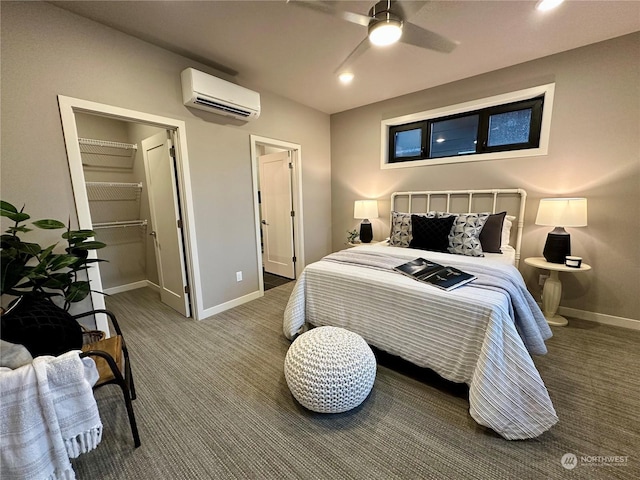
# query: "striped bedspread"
481,333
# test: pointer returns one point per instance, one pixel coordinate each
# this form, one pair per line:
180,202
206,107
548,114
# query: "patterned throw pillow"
446,214
430,233
400,235
464,238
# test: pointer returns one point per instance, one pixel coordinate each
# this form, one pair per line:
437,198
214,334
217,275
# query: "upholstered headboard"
511,200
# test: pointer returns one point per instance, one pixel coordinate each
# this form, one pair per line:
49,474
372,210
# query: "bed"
482,334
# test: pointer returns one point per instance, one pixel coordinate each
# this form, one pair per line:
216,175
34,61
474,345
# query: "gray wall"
47,51
593,152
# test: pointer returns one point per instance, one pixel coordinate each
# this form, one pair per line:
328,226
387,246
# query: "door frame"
276,219
296,192
68,107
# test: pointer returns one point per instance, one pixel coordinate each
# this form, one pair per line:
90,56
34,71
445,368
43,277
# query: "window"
408,142
509,125
515,126
454,136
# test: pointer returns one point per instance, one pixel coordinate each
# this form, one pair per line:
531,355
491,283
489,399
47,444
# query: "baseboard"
131,286
600,318
208,312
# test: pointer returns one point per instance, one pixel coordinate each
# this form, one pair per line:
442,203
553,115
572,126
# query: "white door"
165,226
276,212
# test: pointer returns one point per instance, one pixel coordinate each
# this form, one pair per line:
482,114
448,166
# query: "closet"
118,201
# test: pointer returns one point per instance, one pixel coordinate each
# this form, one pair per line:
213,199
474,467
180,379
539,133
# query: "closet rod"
122,224
107,143
114,184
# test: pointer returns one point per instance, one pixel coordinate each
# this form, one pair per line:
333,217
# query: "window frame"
513,101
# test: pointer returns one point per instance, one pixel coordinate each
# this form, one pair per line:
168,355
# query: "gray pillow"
491,234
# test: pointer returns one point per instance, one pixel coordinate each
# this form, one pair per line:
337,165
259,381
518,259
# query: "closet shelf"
107,154
120,224
105,191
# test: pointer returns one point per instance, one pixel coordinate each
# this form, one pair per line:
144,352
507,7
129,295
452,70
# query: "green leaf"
48,224
77,291
12,272
89,245
11,212
29,248
9,241
78,234
58,281
21,229
7,207
81,254
24,284
65,277
45,253
62,261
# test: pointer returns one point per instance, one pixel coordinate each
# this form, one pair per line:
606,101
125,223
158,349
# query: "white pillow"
506,229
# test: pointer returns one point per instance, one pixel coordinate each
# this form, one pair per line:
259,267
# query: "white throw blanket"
48,414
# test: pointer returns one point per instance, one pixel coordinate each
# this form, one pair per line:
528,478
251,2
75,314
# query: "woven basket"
91,336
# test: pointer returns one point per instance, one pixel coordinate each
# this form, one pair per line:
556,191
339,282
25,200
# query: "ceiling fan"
386,24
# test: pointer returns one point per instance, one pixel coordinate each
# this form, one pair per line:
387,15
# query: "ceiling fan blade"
356,18
408,9
418,36
330,9
353,56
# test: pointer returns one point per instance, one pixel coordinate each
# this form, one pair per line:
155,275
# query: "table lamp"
364,210
560,213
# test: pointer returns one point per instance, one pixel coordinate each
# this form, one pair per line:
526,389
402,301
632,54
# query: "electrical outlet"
542,279
238,276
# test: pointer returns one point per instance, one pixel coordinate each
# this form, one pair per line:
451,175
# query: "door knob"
264,222
153,233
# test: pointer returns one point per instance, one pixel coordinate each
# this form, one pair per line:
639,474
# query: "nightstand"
372,242
552,290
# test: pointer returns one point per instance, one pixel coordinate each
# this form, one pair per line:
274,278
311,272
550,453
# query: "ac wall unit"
212,94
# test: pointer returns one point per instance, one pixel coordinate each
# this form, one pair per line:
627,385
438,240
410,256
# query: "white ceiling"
294,51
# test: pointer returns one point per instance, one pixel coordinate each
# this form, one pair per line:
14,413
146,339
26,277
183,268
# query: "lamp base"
366,232
557,246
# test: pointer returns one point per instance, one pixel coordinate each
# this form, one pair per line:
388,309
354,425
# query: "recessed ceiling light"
544,5
440,140
346,77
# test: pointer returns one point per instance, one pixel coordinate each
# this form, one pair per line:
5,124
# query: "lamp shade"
562,212
365,209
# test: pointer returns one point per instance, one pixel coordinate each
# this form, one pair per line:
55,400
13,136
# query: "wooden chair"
112,361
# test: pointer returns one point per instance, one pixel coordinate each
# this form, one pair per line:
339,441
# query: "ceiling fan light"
385,32
544,5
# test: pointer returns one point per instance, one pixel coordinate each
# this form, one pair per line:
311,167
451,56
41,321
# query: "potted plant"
37,275
352,236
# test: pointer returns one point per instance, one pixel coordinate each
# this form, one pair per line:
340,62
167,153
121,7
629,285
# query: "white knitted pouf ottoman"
330,369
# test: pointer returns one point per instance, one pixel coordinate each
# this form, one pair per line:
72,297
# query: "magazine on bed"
446,278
